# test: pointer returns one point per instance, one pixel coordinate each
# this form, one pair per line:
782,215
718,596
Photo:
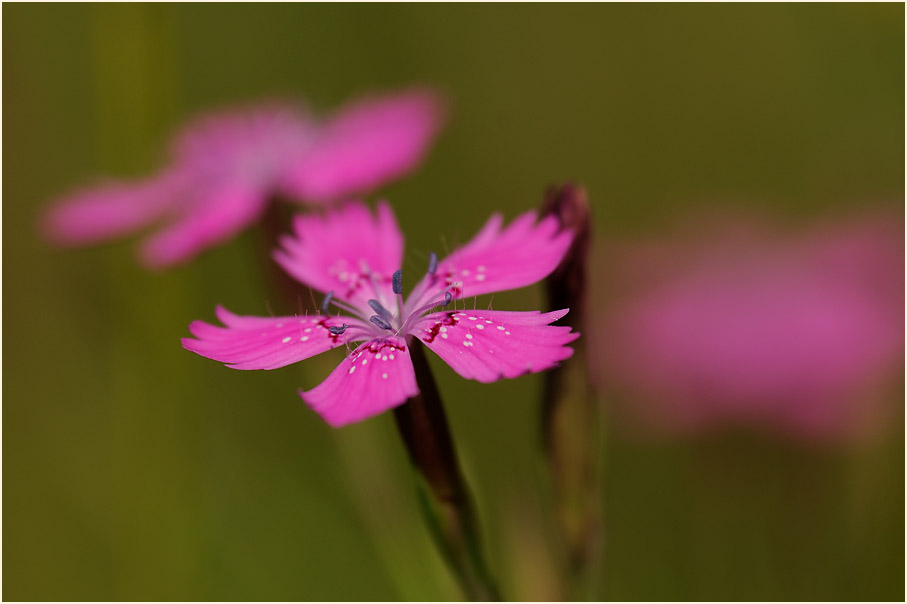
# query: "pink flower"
741,325
224,169
355,256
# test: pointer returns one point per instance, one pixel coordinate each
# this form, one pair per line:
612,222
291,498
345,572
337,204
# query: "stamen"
327,302
398,290
380,322
385,314
432,263
417,313
337,330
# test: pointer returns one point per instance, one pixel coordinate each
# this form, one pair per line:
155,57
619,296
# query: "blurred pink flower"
225,167
741,325
355,257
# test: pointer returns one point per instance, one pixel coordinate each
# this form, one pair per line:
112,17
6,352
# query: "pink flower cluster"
224,168
743,325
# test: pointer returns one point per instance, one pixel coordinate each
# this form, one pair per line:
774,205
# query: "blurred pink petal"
250,145
225,167
108,211
355,255
745,326
367,143
220,212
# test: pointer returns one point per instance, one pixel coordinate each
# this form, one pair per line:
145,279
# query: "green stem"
442,492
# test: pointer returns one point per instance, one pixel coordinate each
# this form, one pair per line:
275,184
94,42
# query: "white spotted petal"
489,345
522,253
265,342
377,376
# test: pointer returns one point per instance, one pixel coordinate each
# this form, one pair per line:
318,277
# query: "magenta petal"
254,142
224,211
263,342
488,345
348,251
376,377
495,260
366,144
106,212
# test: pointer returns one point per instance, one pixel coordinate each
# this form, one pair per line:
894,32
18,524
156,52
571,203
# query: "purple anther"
385,314
380,322
398,282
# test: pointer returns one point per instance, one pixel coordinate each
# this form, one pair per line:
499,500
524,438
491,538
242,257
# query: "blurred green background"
134,470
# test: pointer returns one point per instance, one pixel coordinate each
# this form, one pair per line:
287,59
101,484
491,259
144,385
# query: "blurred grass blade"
571,422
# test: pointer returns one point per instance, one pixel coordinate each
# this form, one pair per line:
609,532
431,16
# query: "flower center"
387,323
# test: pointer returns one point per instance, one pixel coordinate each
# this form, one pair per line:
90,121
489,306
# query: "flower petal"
264,342
220,211
495,260
252,143
106,212
488,345
348,251
366,144
376,377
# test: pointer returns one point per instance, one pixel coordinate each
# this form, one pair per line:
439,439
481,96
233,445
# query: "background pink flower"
744,325
356,256
224,168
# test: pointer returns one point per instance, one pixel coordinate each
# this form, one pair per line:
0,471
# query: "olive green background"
134,470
